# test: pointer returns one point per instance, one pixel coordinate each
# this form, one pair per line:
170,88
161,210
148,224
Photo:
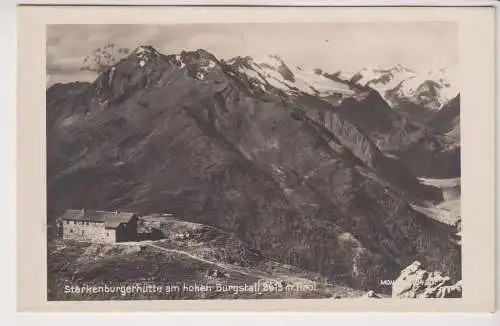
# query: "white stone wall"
88,231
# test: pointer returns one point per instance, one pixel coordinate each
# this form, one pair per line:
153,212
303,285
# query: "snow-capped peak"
144,54
199,60
433,87
144,50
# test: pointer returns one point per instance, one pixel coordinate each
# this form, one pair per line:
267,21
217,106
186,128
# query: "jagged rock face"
415,282
191,136
436,153
334,124
385,126
447,120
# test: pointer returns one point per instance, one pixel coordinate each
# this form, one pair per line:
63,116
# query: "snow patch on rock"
271,70
111,75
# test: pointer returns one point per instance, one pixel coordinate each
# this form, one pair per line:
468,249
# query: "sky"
421,46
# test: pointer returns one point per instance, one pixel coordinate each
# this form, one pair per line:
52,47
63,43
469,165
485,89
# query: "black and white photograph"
253,161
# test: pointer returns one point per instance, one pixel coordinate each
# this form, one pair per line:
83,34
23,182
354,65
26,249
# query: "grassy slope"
186,255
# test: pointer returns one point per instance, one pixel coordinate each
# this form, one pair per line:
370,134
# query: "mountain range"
310,168
418,94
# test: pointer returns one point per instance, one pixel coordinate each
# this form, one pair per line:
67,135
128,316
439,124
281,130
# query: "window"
83,232
67,222
107,234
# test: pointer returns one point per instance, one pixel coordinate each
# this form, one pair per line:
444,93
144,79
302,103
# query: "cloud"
63,65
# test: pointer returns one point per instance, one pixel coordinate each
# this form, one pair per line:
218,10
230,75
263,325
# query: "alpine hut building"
98,226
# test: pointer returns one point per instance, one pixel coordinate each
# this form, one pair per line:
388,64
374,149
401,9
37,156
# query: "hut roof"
111,220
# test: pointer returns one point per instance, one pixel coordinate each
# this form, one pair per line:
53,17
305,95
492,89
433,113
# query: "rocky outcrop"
415,282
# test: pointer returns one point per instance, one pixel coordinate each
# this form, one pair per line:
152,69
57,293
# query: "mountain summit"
145,54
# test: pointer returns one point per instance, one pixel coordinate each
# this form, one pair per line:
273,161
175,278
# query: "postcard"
264,159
